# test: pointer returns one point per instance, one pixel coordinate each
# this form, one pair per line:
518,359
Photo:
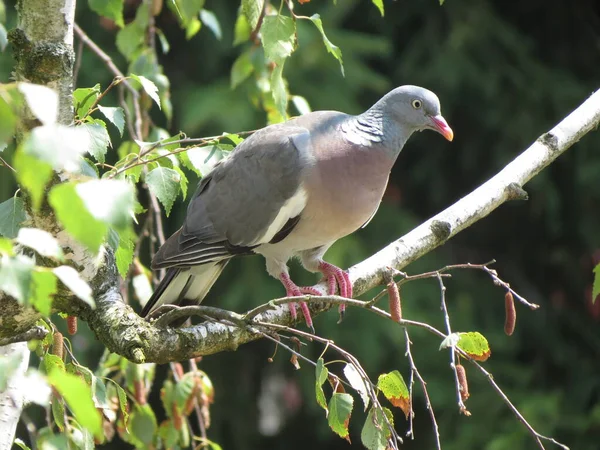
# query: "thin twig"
4,163
461,406
137,134
78,56
414,371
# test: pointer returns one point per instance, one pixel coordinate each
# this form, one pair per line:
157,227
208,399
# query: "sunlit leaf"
84,98
209,19
72,213
71,279
252,10
278,37
279,90
41,241
379,4
340,409
242,30
111,9
110,201
115,115
43,288
42,101
6,247
395,390
15,276
78,396
148,86
475,345
357,382
12,214
132,36
32,175
124,254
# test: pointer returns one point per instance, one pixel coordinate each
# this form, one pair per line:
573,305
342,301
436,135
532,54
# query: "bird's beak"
440,125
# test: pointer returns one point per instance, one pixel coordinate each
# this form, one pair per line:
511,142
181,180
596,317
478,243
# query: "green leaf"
340,409
357,383
279,91
98,138
43,288
6,247
3,38
379,4
124,254
241,69
184,181
209,19
111,9
58,412
32,175
8,119
376,433
58,145
41,241
78,396
252,10
321,373
71,279
164,183
42,101
15,276
278,37
18,442
12,215
148,86
122,396
142,424
242,30
301,104
115,115
132,36
84,98
595,287
110,201
475,345
331,48
395,390
72,213
53,362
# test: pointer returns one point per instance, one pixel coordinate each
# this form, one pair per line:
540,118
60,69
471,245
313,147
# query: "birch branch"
122,331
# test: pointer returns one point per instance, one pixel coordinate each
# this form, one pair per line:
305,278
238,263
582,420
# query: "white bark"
13,398
213,337
483,200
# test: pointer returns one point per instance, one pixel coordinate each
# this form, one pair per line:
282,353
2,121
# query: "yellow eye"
417,104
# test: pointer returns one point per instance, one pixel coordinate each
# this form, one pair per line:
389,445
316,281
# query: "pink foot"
337,277
292,290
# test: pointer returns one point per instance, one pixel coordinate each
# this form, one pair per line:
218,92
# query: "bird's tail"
184,286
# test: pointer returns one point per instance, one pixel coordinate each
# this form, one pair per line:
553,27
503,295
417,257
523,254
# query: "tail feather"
184,286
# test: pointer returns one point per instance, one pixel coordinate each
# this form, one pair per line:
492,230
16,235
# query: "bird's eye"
417,104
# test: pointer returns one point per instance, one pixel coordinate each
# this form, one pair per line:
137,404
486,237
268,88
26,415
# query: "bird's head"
417,108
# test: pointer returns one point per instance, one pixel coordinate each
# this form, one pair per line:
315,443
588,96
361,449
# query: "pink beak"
442,127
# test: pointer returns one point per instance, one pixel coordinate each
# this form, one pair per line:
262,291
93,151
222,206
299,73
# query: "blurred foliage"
505,73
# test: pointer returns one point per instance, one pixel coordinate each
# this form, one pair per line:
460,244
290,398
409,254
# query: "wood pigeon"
292,189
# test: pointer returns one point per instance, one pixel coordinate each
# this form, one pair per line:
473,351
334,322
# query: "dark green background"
505,73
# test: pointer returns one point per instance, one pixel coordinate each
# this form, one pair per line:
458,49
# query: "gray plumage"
291,189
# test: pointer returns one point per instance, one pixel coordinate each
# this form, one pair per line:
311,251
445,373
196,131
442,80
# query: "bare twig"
461,406
415,372
5,164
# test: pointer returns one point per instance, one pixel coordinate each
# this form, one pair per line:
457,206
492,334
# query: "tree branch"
125,333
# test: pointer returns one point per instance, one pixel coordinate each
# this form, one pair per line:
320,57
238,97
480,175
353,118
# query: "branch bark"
123,332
